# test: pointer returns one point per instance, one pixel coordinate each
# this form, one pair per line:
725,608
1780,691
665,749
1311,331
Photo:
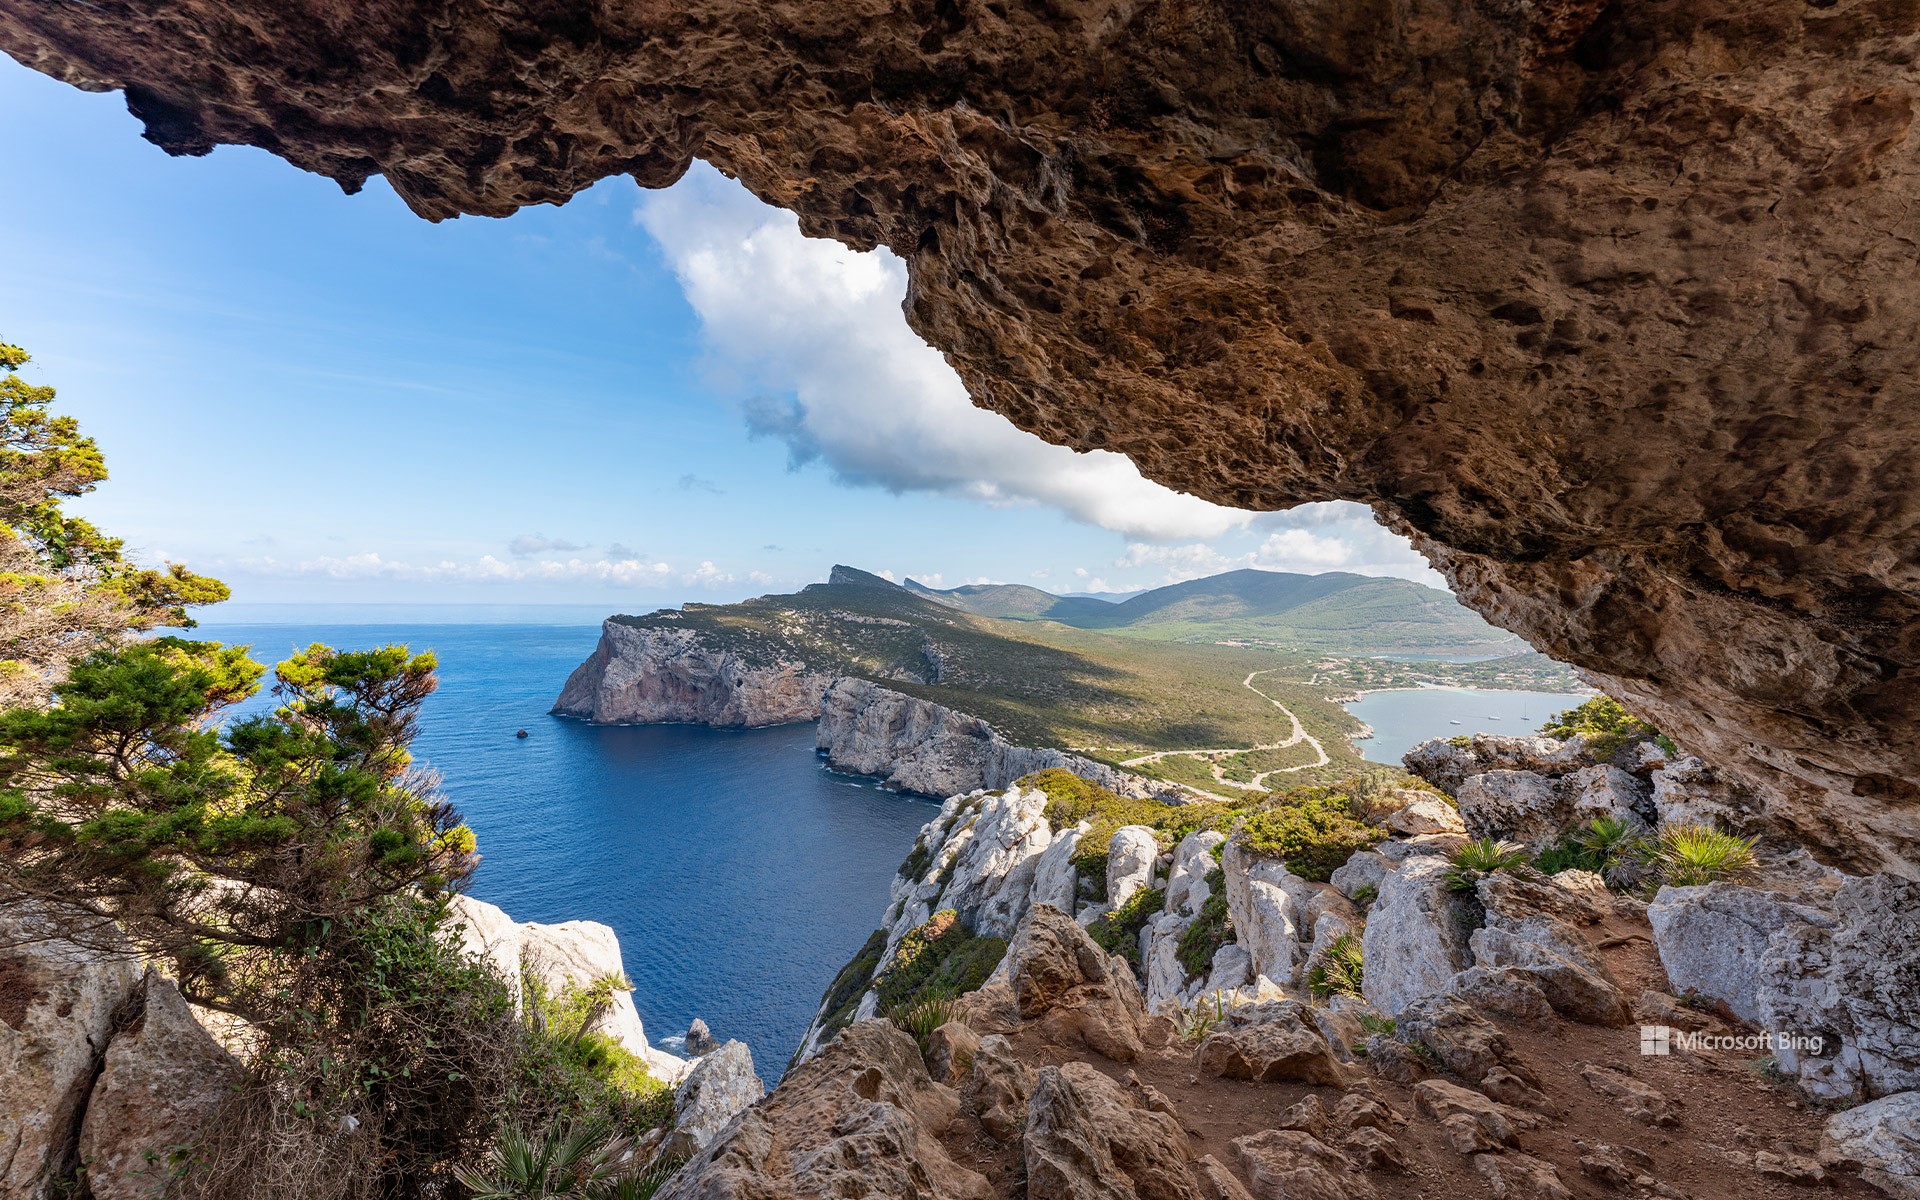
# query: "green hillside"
1334,613
1040,682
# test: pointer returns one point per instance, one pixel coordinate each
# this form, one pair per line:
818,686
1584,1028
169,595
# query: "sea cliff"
642,676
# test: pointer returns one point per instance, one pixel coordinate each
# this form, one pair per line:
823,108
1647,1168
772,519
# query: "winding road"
1213,755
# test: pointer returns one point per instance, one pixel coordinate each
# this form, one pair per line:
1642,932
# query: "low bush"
843,994
587,1160
1606,725
1211,929
1480,858
1690,855
1339,968
1313,830
1118,932
934,1008
1071,799
939,956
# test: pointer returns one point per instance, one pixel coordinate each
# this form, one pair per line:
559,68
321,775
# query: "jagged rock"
1415,939
1851,980
1470,1121
59,1004
1426,814
1606,1165
1428,845
1689,792
1356,1111
1662,1008
1510,1089
1187,887
1506,991
1057,972
1363,869
1394,1060
1309,1115
998,1089
1130,860
1232,970
1796,1169
1055,881
1267,1042
1460,1039
1166,984
1713,939
1285,1164
1644,757
1373,1149
570,953
1447,766
1530,927
1601,791
162,1079
1880,1139
641,675
950,1052
700,1039
1216,1182
916,745
1521,1176
1645,1104
1513,806
860,1118
718,1088
1085,1140
1266,916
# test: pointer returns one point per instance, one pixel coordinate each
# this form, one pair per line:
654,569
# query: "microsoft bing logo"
1656,1039
1663,1040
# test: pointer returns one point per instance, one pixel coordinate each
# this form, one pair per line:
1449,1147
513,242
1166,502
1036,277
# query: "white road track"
1213,756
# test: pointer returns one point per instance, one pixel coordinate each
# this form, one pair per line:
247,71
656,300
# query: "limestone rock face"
1263,902
862,1118
1130,859
1689,792
1446,766
59,1004
162,1079
982,853
637,676
1533,926
1424,816
1512,806
718,1088
1882,1140
1713,939
919,746
1086,1140
1415,939
1266,1042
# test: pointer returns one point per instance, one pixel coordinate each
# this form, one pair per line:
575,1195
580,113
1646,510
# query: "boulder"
1058,973
1187,887
59,1005
1520,1176
1472,1122
1458,1038
718,1088
861,1118
1512,806
1268,1042
1086,1140
1424,815
162,1080
1642,1102
1130,860
1232,969
1216,1182
1532,925
699,1039
1265,913
1505,991
1285,1164
950,1052
1881,1140
1415,939
1166,974
1713,939
1364,869
1689,792
1374,1150
998,1089
1055,880
1601,791
1447,766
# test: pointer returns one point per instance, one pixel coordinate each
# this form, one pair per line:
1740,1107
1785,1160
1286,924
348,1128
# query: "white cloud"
371,565
820,327
1310,539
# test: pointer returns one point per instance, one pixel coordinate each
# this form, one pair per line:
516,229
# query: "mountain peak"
845,576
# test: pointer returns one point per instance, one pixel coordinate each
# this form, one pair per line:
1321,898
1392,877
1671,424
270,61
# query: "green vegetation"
1608,846
1373,1023
1365,895
1690,855
586,1160
934,1008
1118,932
1211,928
1195,1021
1606,725
843,994
1071,799
939,957
1480,858
1314,830
1339,969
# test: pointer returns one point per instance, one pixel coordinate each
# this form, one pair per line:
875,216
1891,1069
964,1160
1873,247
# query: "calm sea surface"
739,873
1402,720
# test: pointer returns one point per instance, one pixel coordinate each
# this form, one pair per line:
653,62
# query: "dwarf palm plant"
583,1161
1479,858
1689,855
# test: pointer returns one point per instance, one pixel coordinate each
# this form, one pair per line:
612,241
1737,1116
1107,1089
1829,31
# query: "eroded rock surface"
1612,315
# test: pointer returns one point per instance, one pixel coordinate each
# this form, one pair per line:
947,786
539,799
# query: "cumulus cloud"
540,543
814,337
1312,538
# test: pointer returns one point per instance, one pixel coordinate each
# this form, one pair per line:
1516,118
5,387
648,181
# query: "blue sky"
632,400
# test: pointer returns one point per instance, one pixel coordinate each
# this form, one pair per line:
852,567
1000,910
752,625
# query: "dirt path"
1212,756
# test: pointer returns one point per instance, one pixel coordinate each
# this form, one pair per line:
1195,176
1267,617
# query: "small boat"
1453,722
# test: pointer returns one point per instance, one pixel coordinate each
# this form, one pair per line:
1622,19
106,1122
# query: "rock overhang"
1609,310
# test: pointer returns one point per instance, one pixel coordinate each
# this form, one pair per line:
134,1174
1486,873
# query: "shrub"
939,955
1210,930
1479,858
843,994
1313,830
587,1160
1197,1020
933,1008
1338,970
1689,855
1365,895
1071,799
1118,932
1606,725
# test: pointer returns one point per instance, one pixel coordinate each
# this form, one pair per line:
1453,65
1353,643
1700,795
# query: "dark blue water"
738,872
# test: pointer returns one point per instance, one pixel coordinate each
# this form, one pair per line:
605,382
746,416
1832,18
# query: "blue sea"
739,873
1403,719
